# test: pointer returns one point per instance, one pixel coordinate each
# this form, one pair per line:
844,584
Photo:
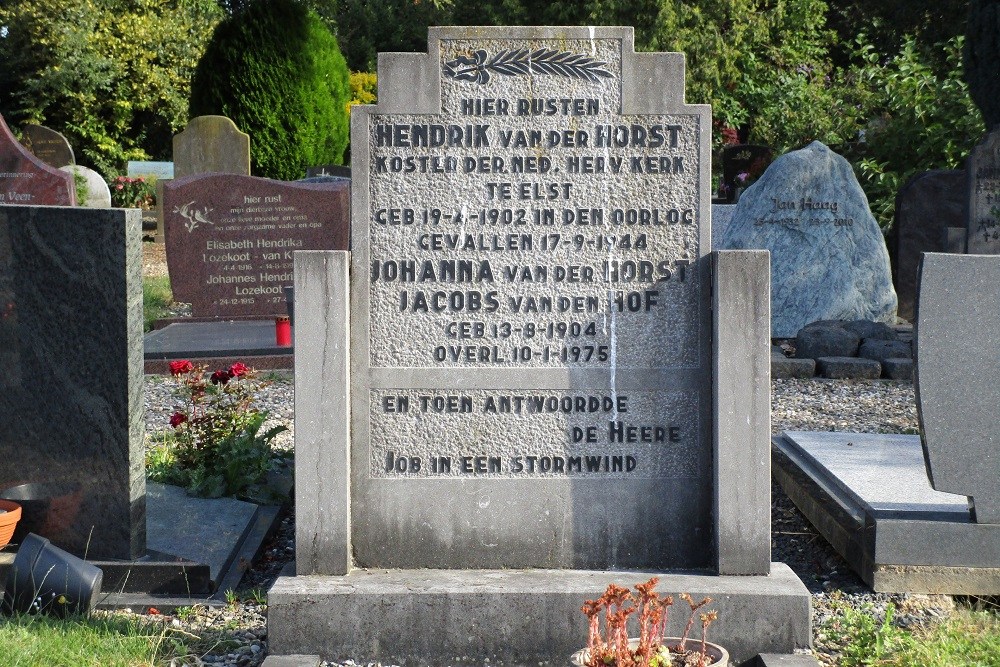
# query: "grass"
967,638
156,299
104,640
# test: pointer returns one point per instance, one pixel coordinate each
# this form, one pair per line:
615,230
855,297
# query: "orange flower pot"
9,519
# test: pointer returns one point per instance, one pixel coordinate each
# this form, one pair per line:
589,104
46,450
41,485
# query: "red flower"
180,367
238,370
177,419
220,377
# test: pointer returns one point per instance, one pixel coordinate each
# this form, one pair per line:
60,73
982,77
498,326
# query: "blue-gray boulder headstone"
958,359
828,256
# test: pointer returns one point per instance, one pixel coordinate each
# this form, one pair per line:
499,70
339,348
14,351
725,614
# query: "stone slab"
211,144
898,369
958,361
510,617
47,145
787,368
848,368
26,180
71,391
199,340
742,396
230,238
269,362
785,660
201,530
291,661
901,536
926,206
522,504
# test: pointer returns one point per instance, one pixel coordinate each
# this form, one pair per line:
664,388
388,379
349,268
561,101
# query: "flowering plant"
128,192
613,648
217,442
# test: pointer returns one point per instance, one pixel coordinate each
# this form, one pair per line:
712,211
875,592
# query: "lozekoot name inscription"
230,238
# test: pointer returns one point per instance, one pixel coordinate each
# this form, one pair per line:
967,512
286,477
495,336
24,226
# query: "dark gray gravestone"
71,386
958,358
828,256
748,159
926,206
983,169
47,145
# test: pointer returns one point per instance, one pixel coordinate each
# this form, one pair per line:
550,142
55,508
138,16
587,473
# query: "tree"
276,71
112,75
982,50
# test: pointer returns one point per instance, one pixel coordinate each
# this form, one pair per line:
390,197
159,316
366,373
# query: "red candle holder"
282,331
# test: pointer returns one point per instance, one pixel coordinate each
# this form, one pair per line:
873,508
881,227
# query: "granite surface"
26,180
71,390
230,238
828,256
957,393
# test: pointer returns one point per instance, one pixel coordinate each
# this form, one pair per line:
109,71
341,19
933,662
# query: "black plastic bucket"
45,579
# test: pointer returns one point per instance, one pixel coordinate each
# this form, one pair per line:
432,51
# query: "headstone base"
511,617
869,496
216,343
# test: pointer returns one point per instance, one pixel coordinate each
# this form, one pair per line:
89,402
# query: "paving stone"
853,368
826,340
784,367
884,349
897,369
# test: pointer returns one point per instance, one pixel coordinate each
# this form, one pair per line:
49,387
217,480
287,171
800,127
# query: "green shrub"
364,88
276,71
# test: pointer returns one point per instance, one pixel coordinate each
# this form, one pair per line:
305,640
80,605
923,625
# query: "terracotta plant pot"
8,519
717,656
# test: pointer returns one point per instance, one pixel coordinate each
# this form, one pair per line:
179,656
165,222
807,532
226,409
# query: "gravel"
868,406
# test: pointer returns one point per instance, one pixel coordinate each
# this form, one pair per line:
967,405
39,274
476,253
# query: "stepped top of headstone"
27,180
211,144
958,359
828,256
983,167
47,145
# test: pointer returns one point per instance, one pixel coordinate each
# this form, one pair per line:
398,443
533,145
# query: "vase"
11,514
717,656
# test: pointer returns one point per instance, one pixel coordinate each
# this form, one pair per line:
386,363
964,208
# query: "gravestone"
828,257
983,170
161,171
936,527
47,145
230,238
211,144
747,159
26,180
98,192
517,357
71,386
957,393
926,206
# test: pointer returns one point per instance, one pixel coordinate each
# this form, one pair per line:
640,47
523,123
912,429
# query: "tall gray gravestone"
211,144
71,386
526,399
983,169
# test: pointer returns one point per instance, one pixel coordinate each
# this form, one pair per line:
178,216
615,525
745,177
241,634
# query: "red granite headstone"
26,180
230,238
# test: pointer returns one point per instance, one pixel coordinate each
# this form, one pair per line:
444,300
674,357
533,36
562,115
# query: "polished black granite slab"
71,398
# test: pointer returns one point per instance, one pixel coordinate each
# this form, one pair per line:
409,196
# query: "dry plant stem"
694,610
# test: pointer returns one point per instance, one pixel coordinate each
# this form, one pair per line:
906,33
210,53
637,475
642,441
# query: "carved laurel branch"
512,62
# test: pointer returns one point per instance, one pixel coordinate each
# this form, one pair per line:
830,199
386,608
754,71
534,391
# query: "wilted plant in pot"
611,646
217,447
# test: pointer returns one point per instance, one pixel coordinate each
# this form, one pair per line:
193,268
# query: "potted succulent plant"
611,646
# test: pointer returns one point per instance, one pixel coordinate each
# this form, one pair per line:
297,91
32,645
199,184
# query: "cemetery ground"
851,624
